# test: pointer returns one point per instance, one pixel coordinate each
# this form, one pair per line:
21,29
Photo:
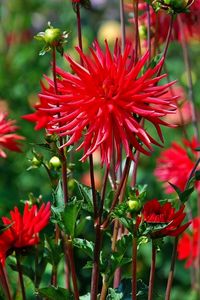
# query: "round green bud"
134,206
55,162
36,162
52,36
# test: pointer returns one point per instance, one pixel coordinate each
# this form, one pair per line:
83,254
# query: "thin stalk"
152,272
104,290
4,283
167,43
118,191
134,267
69,250
137,41
95,270
172,268
103,192
62,153
94,196
21,280
79,31
54,275
122,22
73,270
148,30
189,77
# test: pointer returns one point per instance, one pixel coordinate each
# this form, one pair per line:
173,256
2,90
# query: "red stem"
122,22
73,270
4,283
172,268
135,5
134,268
152,272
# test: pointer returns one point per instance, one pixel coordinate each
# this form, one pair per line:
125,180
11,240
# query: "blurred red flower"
189,245
8,139
104,101
155,213
23,229
175,164
160,21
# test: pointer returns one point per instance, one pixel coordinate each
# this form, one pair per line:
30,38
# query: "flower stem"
69,249
118,191
172,268
122,21
19,269
148,30
79,31
95,270
167,43
4,283
189,77
134,267
137,41
152,272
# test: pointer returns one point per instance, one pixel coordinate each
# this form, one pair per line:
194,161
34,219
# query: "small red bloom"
175,165
24,229
155,213
189,245
104,101
8,139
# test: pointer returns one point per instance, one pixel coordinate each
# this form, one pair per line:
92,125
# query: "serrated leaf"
84,245
70,215
52,293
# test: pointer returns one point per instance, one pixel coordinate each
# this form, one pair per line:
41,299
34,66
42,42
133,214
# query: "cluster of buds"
172,7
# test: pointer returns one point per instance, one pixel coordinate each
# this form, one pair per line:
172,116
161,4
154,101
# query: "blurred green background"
21,69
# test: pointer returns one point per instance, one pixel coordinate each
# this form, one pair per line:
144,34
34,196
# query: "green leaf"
54,252
85,246
27,271
53,293
70,215
114,295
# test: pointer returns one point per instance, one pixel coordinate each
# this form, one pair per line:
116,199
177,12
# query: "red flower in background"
24,229
189,245
160,21
8,139
104,101
155,213
175,164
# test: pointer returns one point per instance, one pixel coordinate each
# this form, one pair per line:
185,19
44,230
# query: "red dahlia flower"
189,245
104,101
8,139
154,213
175,165
23,230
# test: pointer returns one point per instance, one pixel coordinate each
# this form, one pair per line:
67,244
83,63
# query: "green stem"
21,280
152,272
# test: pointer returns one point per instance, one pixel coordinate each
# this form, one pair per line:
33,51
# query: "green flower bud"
134,206
36,162
52,36
55,162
